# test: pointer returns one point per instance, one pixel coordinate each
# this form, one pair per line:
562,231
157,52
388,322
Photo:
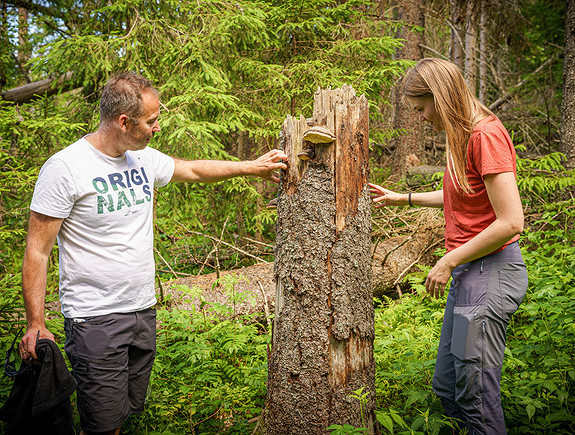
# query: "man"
96,197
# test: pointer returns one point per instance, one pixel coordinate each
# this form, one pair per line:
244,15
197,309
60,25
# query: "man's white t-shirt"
106,239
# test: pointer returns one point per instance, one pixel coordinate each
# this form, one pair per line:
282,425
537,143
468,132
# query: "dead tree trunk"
30,91
322,343
404,117
568,103
470,48
457,45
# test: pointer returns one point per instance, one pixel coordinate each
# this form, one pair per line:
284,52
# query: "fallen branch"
179,273
504,99
166,263
396,282
258,242
266,306
31,91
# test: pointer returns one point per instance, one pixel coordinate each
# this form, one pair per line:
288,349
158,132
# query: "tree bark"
470,49
5,43
404,117
568,103
23,48
457,19
322,341
482,55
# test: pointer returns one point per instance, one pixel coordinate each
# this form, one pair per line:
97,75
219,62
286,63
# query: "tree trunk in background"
404,117
322,343
243,153
457,20
4,41
470,49
482,55
568,103
23,50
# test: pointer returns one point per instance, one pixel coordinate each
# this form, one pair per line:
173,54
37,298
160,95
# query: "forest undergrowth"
210,372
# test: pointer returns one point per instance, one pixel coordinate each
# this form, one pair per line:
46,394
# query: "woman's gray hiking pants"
484,294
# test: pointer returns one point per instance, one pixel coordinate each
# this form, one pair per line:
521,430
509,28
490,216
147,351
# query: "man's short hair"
123,94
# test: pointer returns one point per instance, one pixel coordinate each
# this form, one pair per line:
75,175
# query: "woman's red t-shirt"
490,151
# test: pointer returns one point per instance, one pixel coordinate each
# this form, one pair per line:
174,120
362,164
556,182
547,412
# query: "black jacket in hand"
39,401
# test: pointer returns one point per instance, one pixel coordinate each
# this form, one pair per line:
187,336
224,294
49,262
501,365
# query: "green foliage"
544,179
28,136
223,70
539,376
210,369
231,69
339,429
226,67
362,398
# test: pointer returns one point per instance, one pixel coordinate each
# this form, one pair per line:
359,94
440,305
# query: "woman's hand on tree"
383,197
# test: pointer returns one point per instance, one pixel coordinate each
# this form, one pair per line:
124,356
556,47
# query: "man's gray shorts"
112,357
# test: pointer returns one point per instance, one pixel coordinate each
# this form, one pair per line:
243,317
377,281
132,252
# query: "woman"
483,219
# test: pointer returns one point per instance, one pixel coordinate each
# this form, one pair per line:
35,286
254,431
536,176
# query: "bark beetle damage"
358,140
351,296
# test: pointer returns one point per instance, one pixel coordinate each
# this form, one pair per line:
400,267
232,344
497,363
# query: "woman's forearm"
426,199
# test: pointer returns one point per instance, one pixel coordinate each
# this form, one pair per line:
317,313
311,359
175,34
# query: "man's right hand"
27,346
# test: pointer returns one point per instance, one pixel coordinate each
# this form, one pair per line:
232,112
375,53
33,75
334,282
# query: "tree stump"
323,330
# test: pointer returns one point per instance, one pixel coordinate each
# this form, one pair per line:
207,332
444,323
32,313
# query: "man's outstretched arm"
212,171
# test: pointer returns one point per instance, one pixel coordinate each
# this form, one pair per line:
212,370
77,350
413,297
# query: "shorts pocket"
468,332
102,393
512,285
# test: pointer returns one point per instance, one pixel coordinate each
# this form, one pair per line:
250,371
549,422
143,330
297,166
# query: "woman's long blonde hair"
457,107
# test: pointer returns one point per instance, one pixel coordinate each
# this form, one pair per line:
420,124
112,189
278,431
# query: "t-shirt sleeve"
55,190
164,167
492,153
